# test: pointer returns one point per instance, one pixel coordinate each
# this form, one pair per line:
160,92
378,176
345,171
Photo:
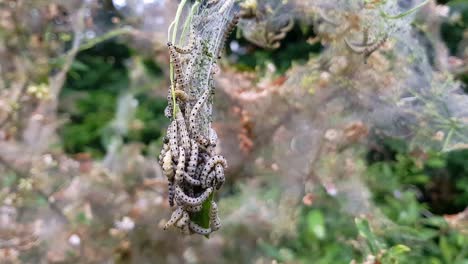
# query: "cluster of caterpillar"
190,163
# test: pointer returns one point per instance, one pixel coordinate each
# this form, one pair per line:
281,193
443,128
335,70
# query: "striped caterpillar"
187,200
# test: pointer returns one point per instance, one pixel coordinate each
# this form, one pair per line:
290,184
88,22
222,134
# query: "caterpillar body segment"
183,221
184,136
179,174
192,201
220,178
196,109
193,209
168,168
211,163
173,144
188,179
198,229
193,160
162,154
215,222
170,192
190,46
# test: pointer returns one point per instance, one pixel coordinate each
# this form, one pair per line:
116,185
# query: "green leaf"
316,224
398,250
202,218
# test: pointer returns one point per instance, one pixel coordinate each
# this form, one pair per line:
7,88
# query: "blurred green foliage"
293,49
402,184
89,99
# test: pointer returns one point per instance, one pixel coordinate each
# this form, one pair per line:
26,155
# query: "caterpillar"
172,134
183,221
170,192
187,200
191,180
205,156
190,45
184,136
366,49
179,175
164,149
198,229
193,209
181,95
202,140
213,138
167,167
199,169
176,215
209,179
227,31
215,222
219,176
175,59
168,110
210,164
375,47
193,160
195,109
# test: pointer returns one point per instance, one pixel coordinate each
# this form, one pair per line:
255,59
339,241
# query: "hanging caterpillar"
167,167
184,136
164,149
187,200
219,169
227,31
215,222
176,215
179,175
193,160
175,60
169,109
173,144
195,109
170,192
183,223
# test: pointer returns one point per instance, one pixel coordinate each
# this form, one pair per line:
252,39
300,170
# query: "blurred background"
336,154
